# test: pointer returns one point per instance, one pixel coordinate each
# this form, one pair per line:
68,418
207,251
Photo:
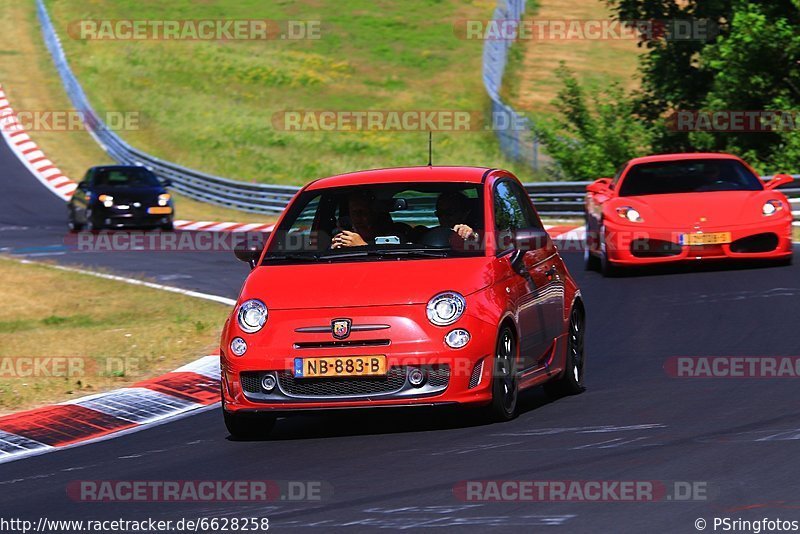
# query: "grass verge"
112,333
210,104
530,82
32,84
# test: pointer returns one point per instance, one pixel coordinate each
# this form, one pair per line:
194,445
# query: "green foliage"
752,64
594,133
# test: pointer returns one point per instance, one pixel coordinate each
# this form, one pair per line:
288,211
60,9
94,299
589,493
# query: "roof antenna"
430,148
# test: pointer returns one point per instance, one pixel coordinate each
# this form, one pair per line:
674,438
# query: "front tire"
571,382
71,223
248,426
505,386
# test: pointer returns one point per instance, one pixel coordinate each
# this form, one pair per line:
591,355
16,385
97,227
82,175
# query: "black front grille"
766,242
343,387
251,382
654,248
438,375
475,377
341,344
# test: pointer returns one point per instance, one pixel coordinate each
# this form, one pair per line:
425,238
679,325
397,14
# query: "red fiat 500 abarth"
400,287
680,207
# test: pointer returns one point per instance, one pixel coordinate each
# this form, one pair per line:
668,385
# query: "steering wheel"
439,237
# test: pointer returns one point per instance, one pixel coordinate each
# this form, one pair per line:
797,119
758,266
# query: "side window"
512,209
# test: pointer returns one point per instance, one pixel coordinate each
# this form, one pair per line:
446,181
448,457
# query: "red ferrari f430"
402,287
686,207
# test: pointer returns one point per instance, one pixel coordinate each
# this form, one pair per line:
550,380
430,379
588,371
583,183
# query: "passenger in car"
454,212
368,219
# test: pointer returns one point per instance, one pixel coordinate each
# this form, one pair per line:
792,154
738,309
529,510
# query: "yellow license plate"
717,238
340,366
159,211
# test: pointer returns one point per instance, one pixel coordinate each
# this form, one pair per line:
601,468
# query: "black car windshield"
125,177
381,222
688,176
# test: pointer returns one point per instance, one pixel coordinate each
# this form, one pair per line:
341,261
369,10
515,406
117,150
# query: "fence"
519,143
552,199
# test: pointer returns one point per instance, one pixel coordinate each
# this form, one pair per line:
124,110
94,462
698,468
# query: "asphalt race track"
738,438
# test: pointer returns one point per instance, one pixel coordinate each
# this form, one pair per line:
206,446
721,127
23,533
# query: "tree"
593,135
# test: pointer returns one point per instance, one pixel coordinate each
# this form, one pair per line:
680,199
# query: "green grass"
104,322
209,105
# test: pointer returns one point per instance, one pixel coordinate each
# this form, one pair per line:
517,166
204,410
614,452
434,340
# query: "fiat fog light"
457,338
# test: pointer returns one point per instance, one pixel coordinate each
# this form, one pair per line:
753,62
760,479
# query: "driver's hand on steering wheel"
465,232
346,238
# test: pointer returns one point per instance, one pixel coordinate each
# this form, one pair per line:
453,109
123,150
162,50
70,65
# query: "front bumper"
452,376
627,245
115,217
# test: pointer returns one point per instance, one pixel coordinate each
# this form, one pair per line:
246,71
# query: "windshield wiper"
299,257
417,253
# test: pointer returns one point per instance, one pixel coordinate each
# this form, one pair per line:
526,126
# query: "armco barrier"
259,198
552,199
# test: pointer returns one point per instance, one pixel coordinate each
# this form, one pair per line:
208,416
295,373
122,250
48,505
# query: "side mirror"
778,180
526,240
599,186
248,252
83,186
166,182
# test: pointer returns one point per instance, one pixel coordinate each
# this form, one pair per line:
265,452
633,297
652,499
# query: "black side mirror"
166,182
248,252
526,240
83,186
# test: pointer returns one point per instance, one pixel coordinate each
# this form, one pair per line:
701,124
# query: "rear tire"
590,261
248,426
571,382
505,386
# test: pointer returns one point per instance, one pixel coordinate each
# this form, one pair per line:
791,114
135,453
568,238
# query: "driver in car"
453,211
369,220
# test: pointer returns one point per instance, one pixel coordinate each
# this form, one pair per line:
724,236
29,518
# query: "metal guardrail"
258,198
565,199
559,199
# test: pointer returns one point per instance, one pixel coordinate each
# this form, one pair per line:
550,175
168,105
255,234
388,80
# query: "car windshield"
381,222
125,177
688,176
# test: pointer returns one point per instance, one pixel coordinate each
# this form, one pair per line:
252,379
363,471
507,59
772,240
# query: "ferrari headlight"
771,207
446,308
107,200
163,199
252,315
630,213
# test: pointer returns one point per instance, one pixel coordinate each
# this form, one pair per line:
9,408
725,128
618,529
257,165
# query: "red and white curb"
187,389
29,153
211,226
